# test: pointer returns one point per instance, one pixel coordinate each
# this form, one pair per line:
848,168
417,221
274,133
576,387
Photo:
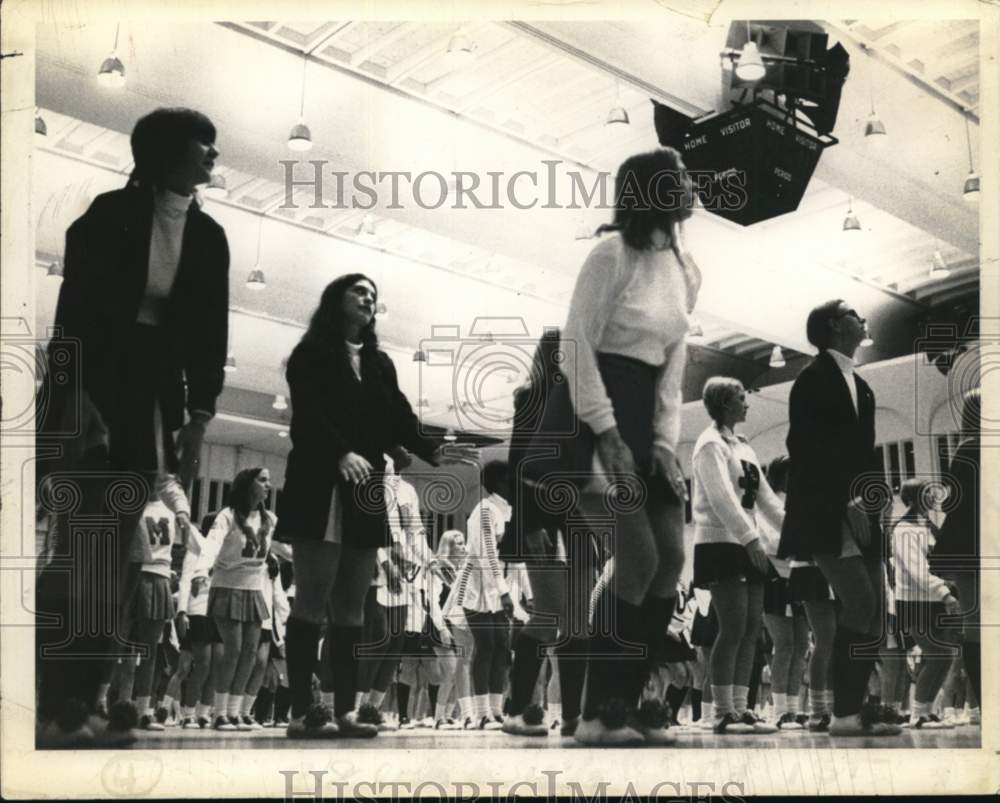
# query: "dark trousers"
490,659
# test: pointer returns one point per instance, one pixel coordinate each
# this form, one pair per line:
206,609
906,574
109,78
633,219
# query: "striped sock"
188,712
740,694
203,711
817,703
248,701
723,697
480,706
496,705
555,711
708,711
828,700
235,704
221,704
780,703
465,708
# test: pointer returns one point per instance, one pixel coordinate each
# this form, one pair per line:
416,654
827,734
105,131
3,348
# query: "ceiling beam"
376,45
437,47
498,85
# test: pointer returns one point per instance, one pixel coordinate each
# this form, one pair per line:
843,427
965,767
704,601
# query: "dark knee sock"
262,707
403,699
301,642
610,672
432,696
571,658
524,673
675,699
344,639
656,613
850,674
971,657
282,701
695,705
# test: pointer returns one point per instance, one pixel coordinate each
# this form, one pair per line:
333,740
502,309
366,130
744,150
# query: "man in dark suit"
145,299
835,486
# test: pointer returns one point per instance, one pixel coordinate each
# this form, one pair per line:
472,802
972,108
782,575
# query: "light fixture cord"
302,99
117,28
260,229
968,141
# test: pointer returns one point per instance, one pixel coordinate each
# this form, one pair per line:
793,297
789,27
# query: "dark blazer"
106,267
332,414
829,447
958,542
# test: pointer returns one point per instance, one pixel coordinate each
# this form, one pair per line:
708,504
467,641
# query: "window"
226,488
196,500
909,463
213,496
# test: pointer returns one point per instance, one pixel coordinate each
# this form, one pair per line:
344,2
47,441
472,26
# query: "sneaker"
821,725
352,728
314,724
162,715
447,724
370,715
569,726
489,724
974,716
281,722
516,726
594,733
203,722
757,724
426,722
147,723
224,724
932,722
731,723
802,719
960,719
405,724
788,722
188,724
250,723
469,725
705,724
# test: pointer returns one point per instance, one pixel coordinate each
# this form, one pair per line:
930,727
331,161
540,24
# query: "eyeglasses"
853,313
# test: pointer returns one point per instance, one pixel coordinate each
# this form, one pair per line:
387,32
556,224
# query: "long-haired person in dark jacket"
347,412
834,475
145,296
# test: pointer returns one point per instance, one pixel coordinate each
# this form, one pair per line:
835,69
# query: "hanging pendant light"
777,358
851,222
750,66
366,230
874,127
461,50
282,433
300,138
280,402
618,114
420,356
255,279
970,192
112,72
40,128
230,365
695,329
583,231
217,187
55,271
939,268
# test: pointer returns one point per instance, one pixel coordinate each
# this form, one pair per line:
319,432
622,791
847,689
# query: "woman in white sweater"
730,557
922,599
236,547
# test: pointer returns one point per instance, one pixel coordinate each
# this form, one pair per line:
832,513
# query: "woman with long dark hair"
624,355
347,412
236,550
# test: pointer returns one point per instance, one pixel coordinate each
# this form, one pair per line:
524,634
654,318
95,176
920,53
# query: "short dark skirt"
714,563
777,600
237,604
807,584
705,628
152,600
547,487
201,630
675,651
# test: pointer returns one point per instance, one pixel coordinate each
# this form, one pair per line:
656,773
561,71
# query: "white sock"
143,707
102,695
440,711
465,708
203,711
921,709
221,704
187,712
248,701
723,696
235,704
326,697
780,703
480,706
555,711
360,698
708,711
949,712
168,703
376,697
740,694
496,704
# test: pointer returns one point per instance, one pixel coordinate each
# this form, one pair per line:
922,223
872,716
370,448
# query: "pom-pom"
369,715
613,713
72,716
123,716
161,714
653,714
533,715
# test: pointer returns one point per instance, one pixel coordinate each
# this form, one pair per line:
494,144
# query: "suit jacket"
106,267
829,447
332,414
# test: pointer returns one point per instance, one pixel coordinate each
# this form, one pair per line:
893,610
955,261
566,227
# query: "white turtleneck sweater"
169,216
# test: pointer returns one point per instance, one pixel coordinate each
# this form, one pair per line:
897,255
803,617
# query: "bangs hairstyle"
652,191
239,501
717,393
327,323
161,137
818,323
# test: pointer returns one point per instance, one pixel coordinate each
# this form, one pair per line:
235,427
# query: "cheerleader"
922,600
785,621
270,641
729,555
151,605
236,550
